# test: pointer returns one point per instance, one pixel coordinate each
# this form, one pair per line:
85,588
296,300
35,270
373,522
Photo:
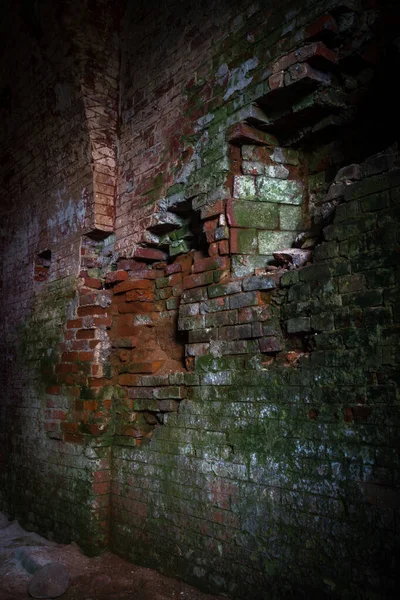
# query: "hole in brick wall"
97,253
175,228
42,265
97,234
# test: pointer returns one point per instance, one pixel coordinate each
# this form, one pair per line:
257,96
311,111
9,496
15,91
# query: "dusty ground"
106,577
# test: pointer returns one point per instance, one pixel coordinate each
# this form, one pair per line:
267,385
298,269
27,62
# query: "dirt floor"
106,577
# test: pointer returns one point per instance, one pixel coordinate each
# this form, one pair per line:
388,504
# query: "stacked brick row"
143,336
265,212
97,58
230,318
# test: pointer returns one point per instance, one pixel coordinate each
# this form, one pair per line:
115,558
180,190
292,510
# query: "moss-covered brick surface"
48,484
229,425
180,126
46,203
282,474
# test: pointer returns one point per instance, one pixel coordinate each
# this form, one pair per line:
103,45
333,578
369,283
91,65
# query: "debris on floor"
33,567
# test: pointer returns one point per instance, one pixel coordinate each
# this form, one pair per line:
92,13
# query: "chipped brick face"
200,291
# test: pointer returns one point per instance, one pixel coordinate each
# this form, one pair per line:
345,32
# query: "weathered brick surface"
168,391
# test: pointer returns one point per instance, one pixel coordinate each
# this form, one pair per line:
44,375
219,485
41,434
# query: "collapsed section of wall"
260,462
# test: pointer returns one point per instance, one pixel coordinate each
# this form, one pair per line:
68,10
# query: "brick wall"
277,429
212,390
46,205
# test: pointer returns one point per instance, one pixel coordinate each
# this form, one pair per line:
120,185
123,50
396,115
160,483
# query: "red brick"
85,334
91,310
150,254
210,225
197,280
316,51
177,290
186,261
90,405
135,307
213,249
210,236
56,414
65,368
271,344
70,427
69,356
301,71
139,296
116,276
93,283
101,476
100,488
245,134
74,438
133,284
85,356
174,268
77,345
175,279
74,324
54,390
223,247
87,298
153,273
148,367
277,80
103,321
210,263
209,211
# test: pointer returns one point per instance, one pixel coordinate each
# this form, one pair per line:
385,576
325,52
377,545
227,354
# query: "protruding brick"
316,54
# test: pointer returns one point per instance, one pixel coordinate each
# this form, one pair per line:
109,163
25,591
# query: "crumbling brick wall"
220,398
47,203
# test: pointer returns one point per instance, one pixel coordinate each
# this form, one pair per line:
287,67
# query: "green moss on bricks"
272,241
290,218
253,215
279,191
42,331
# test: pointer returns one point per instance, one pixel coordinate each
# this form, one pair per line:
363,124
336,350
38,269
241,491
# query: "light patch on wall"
68,216
239,78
